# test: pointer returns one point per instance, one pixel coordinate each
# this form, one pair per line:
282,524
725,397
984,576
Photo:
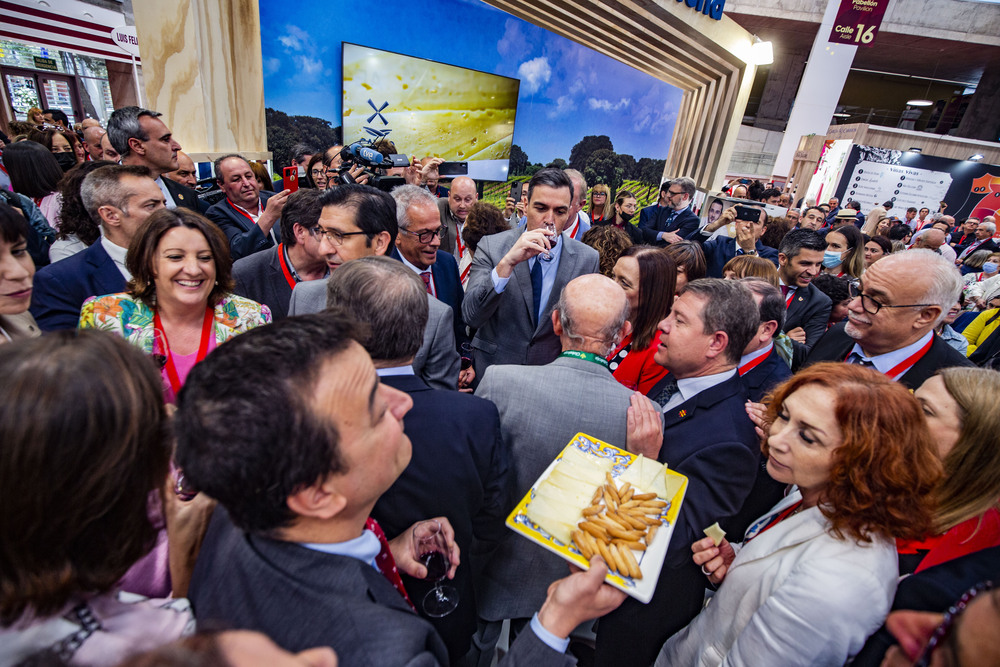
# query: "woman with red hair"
816,575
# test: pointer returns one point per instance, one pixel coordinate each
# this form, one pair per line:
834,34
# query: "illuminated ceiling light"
762,53
914,149
841,115
919,103
976,157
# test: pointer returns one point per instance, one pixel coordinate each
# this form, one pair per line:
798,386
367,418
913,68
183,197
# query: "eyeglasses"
424,236
674,194
318,172
942,631
871,306
332,235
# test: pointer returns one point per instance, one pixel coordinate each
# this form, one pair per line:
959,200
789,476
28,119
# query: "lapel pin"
682,413
180,196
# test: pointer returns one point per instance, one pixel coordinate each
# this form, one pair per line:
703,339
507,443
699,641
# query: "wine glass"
432,552
550,226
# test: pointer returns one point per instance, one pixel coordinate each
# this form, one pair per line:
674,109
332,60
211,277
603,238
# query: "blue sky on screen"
567,91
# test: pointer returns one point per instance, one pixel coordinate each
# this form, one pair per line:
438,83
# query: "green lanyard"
586,356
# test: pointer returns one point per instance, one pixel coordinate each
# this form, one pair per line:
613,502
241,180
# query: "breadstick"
628,544
630,563
613,491
605,554
644,496
620,563
581,543
627,494
625,534
593,509
651,534
594,529
632,521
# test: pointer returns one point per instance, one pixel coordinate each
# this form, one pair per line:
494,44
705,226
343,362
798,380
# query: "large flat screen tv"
430,109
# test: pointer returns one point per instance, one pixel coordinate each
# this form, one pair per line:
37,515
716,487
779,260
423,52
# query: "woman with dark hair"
623,212
845,252
262,176
17,271
959,405
648,276
690,261
35,173
179,305
77,230
816,575
316,171
84,432
60,144
876,247
483,220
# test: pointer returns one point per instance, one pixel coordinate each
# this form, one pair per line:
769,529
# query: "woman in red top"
648,275
960,407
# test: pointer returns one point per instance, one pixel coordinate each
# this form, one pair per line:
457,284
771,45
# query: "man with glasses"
671,219
269,276
891,319
360,221
417,247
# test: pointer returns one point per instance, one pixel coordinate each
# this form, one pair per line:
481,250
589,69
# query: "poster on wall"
876,175
831,165
574,106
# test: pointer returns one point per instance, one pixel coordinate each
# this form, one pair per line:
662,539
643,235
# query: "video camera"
375,165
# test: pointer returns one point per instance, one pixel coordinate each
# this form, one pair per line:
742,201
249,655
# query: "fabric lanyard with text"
907,363
289,278
206,332
587,356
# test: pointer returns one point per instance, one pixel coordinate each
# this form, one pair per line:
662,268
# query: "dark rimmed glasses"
942,631
334,236
424,236
871,305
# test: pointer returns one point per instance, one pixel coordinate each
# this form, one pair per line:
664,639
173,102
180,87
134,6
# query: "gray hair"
406,196
389,298
577,177
946,281
124,125
609,333
687,185
988,225
300,151
730,308
103,187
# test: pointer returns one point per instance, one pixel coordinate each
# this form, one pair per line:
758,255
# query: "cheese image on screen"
433,109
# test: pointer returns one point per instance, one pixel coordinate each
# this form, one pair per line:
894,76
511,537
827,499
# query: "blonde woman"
600,203
875,216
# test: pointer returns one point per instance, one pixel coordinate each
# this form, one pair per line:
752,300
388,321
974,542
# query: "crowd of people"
228,416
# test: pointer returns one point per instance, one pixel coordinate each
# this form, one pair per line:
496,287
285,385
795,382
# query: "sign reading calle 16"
710,8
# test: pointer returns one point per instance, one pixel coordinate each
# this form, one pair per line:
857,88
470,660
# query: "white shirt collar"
747,358
688,388
364,548
886,362
413,267
394,371
117,255
166,193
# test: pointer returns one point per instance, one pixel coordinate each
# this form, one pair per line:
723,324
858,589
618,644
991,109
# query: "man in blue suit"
670,219
721,249
248,216
707,437
473,489
417,246
120,198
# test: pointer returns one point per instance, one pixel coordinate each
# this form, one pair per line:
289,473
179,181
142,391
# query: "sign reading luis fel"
125,38
710,8
857,22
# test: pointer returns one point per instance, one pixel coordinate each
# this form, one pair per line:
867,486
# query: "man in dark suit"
706,436
296,412
248,216
269,276
800,258
670,219
890,322
143,140
517,276
721,249
120,198
460,465
417,247
984,240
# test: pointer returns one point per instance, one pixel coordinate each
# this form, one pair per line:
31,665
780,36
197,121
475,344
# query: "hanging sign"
125,38
857,22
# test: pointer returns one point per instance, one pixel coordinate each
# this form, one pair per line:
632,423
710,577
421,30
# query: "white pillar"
819,90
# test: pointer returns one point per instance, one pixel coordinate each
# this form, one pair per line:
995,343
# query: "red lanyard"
289,278
778,518
242,211
750,365
458,240
576,227
788,301
206,331
465,273
907,363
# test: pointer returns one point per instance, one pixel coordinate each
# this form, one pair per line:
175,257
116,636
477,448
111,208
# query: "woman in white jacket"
816,575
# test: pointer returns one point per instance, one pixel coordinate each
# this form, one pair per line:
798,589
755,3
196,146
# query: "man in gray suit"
590,318
360,221
517,276
298,558
269,276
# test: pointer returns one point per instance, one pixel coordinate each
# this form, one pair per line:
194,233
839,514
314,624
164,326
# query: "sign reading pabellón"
858,21
710,8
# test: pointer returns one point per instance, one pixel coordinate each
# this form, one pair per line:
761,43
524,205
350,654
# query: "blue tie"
536,288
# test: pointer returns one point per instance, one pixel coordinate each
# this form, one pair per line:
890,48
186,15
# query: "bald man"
454,210
92,141
186,172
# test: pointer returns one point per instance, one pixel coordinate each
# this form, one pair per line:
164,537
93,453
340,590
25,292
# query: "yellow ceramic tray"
650,561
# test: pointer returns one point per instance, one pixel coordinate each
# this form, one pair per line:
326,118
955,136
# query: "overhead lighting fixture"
914,149
919,103
761,52
976,157
841,115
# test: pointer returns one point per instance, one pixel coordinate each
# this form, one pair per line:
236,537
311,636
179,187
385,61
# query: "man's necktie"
784,290
426,277
669,389
536,288
385,562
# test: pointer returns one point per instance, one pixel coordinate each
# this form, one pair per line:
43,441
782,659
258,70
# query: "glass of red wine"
432,551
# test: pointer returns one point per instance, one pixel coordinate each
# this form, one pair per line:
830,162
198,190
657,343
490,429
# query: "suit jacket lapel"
703,399
565,272
108,277
522,276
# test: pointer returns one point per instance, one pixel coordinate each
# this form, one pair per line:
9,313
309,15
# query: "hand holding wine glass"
432,550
